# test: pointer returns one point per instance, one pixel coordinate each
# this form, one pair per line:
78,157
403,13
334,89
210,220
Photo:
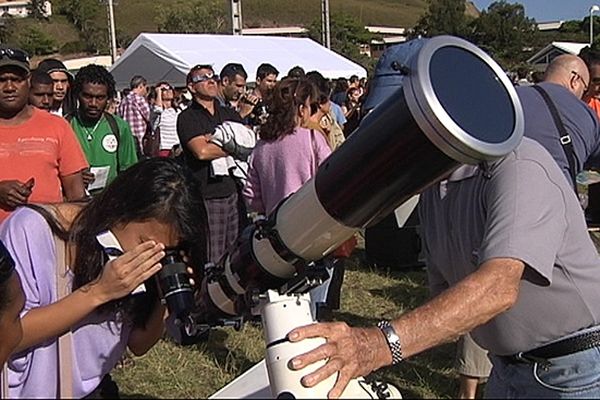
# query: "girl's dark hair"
156,188
7,269
349,94
289,94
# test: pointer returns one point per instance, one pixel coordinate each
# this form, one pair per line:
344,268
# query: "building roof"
16,3
76,64
284,30
545,55
550,25
387,30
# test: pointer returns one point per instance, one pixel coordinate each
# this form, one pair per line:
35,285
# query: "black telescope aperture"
468,89
455,106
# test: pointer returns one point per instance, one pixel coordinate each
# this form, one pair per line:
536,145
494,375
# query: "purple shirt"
98,341
279,168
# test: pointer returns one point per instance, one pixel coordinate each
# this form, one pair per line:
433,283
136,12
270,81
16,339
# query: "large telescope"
455,106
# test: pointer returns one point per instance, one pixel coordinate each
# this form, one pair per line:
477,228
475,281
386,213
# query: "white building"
542,58
20,8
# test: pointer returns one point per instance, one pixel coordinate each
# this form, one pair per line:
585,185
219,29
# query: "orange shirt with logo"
44,148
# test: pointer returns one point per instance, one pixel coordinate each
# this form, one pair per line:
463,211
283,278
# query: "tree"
36,42
443,17
347,34
505,31
7,26
82,14
192,16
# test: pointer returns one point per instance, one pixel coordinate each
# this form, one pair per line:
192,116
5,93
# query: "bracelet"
393,340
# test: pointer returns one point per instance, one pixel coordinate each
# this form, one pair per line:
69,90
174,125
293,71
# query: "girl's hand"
123,274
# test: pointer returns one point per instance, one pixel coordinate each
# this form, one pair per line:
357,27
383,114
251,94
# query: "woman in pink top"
287,154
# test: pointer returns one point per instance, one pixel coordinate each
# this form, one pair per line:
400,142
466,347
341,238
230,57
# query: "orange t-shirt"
594,104
44,148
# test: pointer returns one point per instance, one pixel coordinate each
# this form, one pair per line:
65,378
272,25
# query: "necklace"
90,134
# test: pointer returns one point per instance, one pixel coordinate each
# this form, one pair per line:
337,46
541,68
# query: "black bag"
151,141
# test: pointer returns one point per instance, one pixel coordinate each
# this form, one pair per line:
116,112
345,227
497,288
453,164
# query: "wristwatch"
393,340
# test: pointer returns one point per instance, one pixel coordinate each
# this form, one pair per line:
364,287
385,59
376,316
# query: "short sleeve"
526,217
435,278
323,149
71,158
186,128
28,238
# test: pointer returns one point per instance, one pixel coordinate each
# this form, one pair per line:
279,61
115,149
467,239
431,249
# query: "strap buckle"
565,139
529,359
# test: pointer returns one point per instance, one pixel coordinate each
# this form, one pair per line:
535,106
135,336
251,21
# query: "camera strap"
4,387
65,341
565,140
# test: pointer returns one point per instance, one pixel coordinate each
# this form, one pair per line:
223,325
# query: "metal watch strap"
393,340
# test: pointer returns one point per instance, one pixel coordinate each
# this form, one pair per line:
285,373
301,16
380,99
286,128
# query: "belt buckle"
529,359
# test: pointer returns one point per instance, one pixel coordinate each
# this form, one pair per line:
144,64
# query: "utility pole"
112,31
325,25
236,16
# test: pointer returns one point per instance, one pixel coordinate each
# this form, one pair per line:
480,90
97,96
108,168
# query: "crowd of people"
157,166
511,267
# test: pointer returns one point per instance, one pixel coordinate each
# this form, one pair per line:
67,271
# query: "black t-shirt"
197,121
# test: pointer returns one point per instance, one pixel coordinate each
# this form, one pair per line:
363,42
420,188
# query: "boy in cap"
63,103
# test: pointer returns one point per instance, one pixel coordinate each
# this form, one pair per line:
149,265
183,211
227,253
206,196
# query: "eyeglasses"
585,85
14,54
205,77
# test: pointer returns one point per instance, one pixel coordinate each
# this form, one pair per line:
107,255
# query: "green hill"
135,16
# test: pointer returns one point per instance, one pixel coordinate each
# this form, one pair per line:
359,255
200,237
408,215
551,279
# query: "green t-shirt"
101,146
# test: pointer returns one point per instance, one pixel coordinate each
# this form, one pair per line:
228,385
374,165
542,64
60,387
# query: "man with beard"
106,139
40,159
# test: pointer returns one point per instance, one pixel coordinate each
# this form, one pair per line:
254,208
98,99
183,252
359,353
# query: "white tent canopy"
169,57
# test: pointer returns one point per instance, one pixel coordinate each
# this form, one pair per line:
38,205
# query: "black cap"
50,65
13,57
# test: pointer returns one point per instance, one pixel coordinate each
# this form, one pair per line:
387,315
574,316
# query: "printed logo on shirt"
109,143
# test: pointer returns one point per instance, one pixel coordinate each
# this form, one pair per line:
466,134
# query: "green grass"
367,296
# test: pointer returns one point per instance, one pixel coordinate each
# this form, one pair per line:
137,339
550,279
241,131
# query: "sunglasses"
205,77
14,54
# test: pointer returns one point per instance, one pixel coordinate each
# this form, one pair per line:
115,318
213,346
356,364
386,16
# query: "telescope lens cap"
463,101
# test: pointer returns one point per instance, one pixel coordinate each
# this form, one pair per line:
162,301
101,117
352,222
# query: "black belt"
560,348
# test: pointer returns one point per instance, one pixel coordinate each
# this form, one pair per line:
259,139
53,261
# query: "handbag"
151,140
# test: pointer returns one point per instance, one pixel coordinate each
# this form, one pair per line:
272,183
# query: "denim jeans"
575,375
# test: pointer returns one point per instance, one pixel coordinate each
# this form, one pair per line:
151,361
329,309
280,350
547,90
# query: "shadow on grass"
233,361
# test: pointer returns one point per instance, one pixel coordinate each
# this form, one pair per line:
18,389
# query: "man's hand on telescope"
350,351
